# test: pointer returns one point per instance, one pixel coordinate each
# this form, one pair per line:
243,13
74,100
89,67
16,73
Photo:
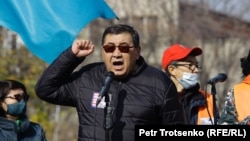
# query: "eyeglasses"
191,66
122,48
19,97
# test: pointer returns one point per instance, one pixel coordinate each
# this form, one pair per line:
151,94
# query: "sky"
236,8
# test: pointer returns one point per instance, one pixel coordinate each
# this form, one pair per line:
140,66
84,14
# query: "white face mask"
188,80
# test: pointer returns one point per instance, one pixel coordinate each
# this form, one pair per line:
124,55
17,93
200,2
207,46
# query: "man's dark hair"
245,65
121,28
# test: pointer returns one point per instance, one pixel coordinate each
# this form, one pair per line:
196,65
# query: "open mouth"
117,63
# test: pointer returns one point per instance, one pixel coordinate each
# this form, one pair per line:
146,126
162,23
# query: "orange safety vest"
205,112
242,98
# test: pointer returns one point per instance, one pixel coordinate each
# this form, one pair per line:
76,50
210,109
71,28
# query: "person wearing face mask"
14,123
180,64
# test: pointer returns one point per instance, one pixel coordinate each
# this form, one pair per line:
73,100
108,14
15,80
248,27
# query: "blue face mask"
17,109
188,80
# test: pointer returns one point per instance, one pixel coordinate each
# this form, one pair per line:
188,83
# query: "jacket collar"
246,79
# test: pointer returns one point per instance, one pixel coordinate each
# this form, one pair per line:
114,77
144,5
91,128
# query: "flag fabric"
47,27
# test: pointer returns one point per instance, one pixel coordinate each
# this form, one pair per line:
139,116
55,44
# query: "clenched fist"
82,48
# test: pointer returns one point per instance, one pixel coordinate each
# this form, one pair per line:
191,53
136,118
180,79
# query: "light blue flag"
47,27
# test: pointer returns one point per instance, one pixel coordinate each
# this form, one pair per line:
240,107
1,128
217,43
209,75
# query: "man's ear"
138,52
171,69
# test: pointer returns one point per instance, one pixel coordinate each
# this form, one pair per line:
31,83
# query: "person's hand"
82,48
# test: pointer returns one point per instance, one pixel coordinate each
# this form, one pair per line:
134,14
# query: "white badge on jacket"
102,103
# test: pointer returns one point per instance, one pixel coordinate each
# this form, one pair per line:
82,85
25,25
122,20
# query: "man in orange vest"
236,109
181,65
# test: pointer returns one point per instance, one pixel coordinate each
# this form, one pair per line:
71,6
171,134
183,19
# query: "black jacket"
146,96
191,100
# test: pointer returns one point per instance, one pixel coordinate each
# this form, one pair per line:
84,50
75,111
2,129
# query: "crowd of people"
123,90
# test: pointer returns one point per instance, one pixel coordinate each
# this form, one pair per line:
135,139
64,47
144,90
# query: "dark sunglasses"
122,48
19,97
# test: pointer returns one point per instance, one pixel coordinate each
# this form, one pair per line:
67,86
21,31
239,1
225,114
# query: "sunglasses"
122,48
19,97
